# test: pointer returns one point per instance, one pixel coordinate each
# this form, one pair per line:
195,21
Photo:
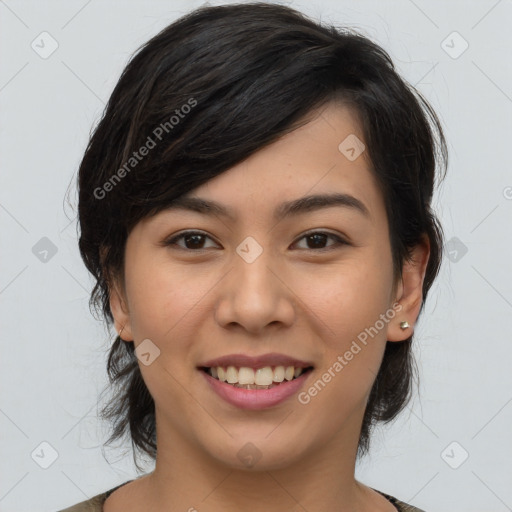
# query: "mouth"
256,382
266,377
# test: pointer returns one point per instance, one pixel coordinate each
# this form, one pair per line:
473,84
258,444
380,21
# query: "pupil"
196,237
316,237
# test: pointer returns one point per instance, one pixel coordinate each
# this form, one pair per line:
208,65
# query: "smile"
255,381
244,377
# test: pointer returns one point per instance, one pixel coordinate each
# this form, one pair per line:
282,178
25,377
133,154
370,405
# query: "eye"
318,238
194,240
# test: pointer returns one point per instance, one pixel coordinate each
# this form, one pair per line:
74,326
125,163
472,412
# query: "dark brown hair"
211,89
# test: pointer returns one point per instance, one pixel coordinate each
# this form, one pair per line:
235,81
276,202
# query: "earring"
122,328
404,325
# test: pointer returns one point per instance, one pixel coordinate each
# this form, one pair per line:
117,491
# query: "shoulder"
401,506
94,504
405,507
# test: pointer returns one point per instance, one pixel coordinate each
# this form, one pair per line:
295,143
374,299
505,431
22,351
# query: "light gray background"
53,352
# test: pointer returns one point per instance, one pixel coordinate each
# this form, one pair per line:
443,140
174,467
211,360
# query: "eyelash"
339,241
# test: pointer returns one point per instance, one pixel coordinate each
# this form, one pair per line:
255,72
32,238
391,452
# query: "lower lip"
256,399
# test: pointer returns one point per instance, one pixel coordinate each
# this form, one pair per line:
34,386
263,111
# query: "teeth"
279,374
261,377
288,374
245,376
231,375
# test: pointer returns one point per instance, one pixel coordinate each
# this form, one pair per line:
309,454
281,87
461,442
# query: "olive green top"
95,504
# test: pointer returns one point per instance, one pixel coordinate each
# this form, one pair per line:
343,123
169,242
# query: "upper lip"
242,360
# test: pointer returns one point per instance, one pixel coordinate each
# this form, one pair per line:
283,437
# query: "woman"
255,206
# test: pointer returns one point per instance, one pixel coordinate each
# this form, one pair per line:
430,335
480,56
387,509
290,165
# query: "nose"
255,295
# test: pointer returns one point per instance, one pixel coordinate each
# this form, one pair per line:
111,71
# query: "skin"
292,299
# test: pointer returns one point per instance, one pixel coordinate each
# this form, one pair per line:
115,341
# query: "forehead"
325,155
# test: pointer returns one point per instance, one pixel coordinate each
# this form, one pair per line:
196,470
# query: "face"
306,287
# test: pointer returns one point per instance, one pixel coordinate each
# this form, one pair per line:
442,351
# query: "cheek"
353,338
346,299
161,297
164,304
167,305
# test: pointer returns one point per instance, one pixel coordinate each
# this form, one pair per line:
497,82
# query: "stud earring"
404,325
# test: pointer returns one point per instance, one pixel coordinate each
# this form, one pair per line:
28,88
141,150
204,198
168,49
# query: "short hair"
249,74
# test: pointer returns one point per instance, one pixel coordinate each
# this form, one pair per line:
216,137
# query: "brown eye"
194,240
316,241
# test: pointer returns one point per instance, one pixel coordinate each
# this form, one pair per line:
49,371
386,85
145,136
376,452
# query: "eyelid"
340,239
171,240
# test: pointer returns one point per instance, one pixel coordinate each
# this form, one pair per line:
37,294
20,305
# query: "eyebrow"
289,208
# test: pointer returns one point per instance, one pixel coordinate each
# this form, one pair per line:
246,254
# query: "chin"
257,452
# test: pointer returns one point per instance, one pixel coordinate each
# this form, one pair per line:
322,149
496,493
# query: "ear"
120,311
117,300
410,292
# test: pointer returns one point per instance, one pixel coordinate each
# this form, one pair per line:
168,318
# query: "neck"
186,478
